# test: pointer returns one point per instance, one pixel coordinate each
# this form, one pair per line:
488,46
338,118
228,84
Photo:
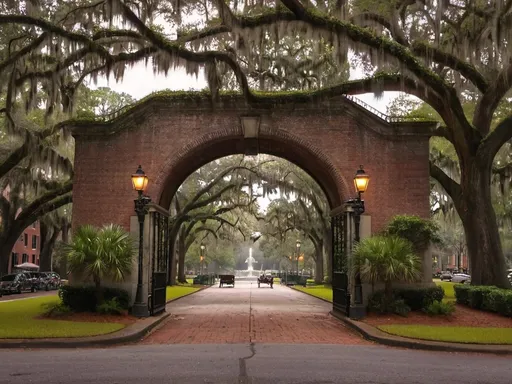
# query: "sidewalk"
371,333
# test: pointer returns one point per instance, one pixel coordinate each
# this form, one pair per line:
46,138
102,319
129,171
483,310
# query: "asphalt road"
262,363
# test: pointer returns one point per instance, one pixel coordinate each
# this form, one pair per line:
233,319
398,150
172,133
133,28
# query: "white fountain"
249,272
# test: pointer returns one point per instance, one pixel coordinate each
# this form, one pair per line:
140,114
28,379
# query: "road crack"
243,377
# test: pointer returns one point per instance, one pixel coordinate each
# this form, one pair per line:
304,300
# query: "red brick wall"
170,141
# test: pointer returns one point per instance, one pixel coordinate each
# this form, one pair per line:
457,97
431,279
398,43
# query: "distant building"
27,248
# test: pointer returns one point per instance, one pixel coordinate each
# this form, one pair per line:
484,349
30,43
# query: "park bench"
226,280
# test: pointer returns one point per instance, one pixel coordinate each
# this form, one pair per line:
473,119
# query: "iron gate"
159,260
340,292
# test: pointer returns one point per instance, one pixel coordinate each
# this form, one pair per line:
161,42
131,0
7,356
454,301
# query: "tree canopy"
443,52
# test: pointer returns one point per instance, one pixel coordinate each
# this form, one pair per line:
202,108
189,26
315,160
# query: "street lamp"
202,256
297,244
361,180
140,182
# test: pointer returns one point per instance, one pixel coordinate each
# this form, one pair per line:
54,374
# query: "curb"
373,334
129,336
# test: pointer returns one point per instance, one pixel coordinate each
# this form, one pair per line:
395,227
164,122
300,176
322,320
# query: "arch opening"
285,146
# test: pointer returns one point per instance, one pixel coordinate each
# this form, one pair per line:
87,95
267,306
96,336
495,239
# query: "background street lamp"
297,244
140,182
361,180
202,257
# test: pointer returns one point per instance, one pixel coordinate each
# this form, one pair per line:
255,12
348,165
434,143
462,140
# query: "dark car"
16,283
40,280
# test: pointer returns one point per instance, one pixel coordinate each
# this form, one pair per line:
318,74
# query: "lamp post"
297,245
140,182
361,180
202,257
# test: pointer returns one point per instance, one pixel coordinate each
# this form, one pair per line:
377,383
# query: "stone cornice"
197,103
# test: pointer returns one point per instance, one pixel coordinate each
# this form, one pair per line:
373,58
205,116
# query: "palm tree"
100,253
386,259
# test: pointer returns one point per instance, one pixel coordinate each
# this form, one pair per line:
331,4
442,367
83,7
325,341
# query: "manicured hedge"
485,298
420,298
83,299
414,298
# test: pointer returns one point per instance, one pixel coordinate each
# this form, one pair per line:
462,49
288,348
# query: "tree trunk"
319,265
486,258
6,246
171,276
181,259
48,238
5,255
328,255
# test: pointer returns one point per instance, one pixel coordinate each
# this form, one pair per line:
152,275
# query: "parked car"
41,280
52,280
445,275
461,278
16,283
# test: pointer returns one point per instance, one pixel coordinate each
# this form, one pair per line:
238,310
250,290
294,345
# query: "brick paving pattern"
247,314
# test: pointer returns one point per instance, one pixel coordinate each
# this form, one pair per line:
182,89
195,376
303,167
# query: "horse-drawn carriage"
266,279
227,280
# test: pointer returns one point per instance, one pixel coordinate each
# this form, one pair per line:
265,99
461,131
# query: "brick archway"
213,145
172,135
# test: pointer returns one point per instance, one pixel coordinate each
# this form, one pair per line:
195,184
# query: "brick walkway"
247,314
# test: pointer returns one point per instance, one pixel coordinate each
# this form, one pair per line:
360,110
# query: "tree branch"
490,100
23,51
37,206
394,30
451,187
492,143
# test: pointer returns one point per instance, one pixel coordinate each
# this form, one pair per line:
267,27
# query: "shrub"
111,307
57,309
379,303
420,232
485,298
462,293
439,308
387,259
100,253
476,296
400,307
84,299
414,298
420,298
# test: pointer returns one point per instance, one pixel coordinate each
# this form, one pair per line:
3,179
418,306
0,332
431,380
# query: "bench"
227,280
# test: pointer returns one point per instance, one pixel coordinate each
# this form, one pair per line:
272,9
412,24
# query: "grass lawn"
449,292
176,291
474,335
321,291
17,319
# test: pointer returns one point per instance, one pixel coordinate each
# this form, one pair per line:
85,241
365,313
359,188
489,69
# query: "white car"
461,278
